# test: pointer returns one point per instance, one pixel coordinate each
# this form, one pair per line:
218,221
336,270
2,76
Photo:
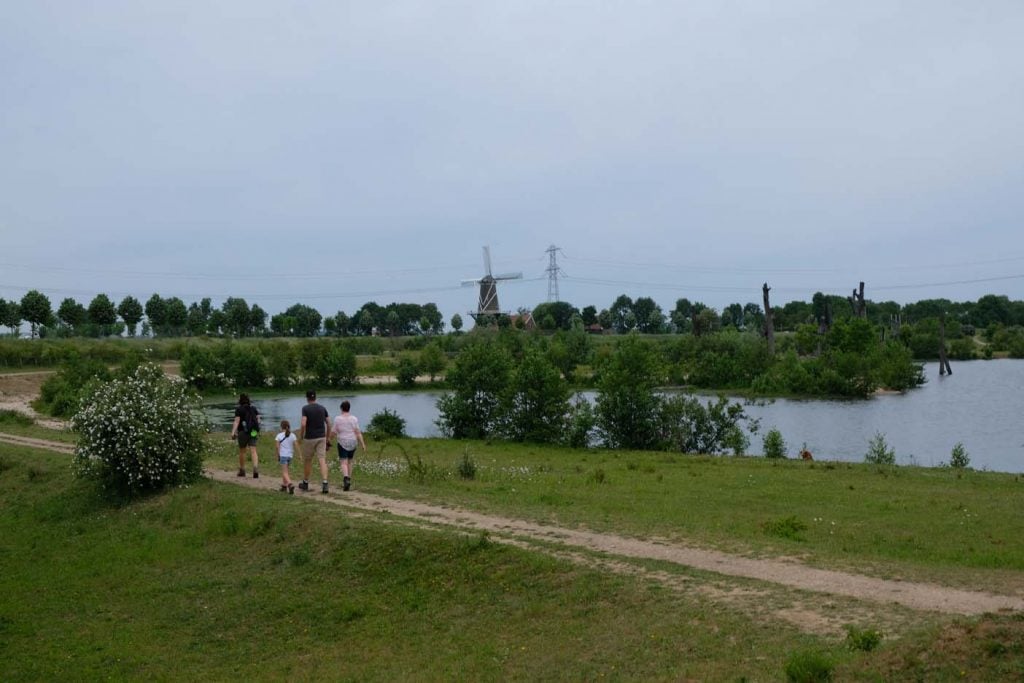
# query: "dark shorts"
245,440
345,454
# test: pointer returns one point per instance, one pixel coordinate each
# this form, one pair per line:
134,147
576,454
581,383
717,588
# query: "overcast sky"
336,152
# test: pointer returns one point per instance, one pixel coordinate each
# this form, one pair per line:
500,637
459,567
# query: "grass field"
216,582
959,528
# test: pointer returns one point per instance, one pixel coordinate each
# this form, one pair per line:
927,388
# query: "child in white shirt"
285,443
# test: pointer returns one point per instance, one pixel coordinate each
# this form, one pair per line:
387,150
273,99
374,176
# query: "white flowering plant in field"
140,433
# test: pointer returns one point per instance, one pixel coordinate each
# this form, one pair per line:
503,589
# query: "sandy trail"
789,574
918,596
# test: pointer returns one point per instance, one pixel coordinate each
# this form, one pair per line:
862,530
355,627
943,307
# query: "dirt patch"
19,389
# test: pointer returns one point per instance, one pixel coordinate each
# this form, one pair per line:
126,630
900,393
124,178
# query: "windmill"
487,306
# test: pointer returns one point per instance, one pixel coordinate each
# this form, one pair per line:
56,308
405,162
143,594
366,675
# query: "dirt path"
616,552
37,443
918,596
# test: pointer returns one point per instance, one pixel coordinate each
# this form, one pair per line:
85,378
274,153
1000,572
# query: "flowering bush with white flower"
140,433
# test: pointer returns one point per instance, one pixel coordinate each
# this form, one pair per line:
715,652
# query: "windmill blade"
487,261
509,276
470,281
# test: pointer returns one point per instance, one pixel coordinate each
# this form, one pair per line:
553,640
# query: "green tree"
156,313
130,310
628,405
176,315
538,401
433,317
648,315
102,314
622,316
71,313
10,316
305,321
553,315
457,323
257,320
479,380
238,317
432,360
35,309
198,319
589,315
336,368
705,322
406,372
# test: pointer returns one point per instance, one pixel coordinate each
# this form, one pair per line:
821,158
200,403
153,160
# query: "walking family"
313,440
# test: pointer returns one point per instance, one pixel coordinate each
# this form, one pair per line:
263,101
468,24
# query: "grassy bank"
217,583
956,527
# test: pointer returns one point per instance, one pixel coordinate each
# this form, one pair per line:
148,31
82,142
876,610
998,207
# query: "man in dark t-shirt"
313,435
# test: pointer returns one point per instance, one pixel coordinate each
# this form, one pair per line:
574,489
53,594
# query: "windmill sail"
487,304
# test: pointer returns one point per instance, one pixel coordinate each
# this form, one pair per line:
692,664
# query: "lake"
980,405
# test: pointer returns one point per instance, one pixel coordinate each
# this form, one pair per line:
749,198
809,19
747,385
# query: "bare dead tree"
944,367
769,326
856,300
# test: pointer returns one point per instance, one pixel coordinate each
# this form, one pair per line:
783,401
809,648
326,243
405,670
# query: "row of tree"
236,318
171,317
647,317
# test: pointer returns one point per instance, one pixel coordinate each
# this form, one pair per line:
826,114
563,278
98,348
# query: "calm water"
981,405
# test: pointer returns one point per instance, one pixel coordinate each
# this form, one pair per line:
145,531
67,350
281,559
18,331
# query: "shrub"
386,423
787,527
690,426
61,393
879,452
809,667
139,434
864,640
337,368
774,446
466,467
13,417
959,457
406,372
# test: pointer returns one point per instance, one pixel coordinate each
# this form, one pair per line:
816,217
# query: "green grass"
216,582
956,527
12,422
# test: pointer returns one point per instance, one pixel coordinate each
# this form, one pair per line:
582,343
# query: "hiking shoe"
255,475
283,488
241,473
347,484
324,488
291,489
304,486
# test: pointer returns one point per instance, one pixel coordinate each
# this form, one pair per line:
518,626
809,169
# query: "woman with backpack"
246,428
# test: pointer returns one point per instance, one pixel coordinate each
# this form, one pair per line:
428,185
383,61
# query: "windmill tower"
487,305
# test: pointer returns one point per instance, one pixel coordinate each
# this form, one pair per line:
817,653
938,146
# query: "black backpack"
251,421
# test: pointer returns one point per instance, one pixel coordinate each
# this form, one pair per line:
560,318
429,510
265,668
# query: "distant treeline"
172,317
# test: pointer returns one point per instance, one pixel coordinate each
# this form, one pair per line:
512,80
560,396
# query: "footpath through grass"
960,528
216,582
